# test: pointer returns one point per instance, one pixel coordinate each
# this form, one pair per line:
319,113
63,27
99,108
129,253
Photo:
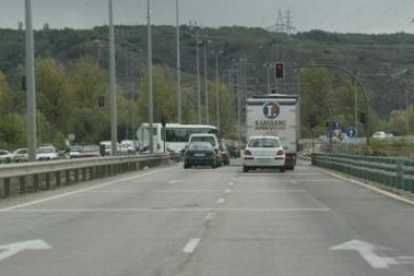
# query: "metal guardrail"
394,172
37,176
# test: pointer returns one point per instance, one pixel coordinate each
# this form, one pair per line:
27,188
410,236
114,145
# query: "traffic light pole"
358,82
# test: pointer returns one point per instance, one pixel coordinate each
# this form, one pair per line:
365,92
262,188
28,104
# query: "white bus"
177,136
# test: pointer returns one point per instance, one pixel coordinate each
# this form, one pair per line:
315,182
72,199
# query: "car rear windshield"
264,143
208,139
200,146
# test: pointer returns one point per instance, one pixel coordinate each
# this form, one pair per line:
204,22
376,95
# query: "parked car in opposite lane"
74,151
47,153
200,154
20,155
90,151
5,156
127,147
264,152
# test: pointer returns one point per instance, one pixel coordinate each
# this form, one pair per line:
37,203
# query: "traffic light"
101,101
280,70
164,120
24,83
362,118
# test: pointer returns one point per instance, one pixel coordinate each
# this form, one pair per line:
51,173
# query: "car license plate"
199,155
264,160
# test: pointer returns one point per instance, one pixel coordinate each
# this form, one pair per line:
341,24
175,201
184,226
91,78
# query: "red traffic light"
280,70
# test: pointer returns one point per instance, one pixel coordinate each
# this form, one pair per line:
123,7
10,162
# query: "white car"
5,156
127,147
20,155
74,151
264,152
47,153
382,135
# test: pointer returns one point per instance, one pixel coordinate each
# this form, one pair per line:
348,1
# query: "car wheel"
245,169
282,169
213,164
186,166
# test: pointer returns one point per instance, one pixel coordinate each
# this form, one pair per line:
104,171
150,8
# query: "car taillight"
280,152
247,152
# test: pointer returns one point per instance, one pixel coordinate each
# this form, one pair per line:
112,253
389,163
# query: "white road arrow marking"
367,251
15,248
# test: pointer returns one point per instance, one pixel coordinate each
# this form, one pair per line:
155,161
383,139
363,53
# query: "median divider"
38,176
394,172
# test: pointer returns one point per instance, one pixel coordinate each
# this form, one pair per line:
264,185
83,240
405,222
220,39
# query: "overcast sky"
360,16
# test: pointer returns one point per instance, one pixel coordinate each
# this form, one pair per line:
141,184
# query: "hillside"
244,52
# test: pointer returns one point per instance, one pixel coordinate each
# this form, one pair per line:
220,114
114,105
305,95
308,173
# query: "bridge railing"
37,176
394,172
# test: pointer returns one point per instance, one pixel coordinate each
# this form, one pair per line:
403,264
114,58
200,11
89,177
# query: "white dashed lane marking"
191,246
221,201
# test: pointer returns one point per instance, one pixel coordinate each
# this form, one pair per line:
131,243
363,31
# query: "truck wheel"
245,169
282,169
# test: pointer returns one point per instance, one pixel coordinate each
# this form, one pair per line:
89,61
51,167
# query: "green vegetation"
72,73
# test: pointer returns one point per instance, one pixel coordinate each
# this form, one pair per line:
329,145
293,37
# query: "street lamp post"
150,80
198,76
206,81
217,53
179,101
112,85
30,84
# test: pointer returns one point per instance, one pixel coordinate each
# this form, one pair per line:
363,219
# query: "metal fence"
393,172
38,176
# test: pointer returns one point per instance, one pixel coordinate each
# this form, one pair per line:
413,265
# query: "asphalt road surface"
209,222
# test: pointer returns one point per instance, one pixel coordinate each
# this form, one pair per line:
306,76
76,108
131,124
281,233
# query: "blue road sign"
351,132
337,125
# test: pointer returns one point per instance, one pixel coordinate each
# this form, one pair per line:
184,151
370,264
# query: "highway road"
206,222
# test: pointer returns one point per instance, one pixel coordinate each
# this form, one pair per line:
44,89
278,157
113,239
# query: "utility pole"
356,105
407,117
217,53
238,84
150,81
179,101
198,76
30,84
206,82
112,85
268,68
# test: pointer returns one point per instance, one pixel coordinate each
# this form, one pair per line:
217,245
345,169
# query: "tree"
5,95
227,112
12,130
163,94
53,92
316,99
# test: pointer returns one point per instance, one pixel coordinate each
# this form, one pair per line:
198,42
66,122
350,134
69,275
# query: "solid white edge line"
368,186
76,192
191,246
